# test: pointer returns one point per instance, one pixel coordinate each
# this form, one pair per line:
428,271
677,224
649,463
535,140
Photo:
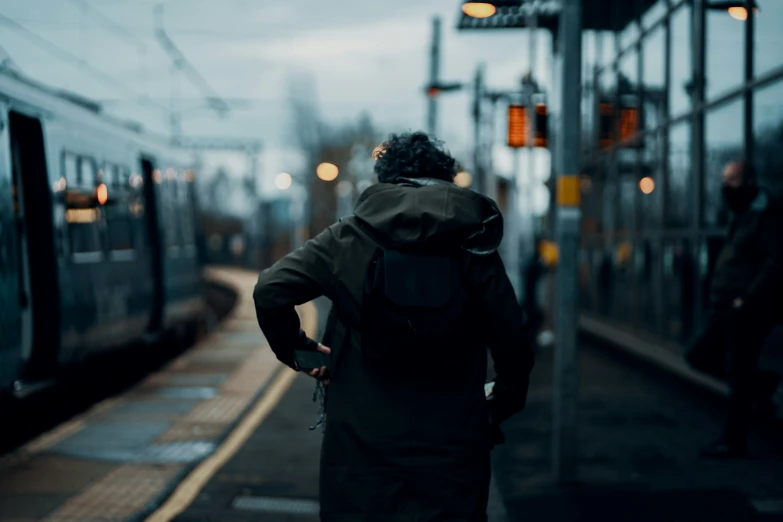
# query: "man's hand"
318,374
738,302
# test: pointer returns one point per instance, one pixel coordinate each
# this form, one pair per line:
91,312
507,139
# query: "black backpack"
415,310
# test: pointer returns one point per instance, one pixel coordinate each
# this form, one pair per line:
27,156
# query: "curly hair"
413,155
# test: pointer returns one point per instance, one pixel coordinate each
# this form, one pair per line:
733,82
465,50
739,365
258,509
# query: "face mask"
739,198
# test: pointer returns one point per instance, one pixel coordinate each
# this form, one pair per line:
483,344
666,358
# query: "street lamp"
283,181
479,9
327,171
737,9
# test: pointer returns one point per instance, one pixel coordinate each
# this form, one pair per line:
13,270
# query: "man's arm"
299,277
503,328
769,279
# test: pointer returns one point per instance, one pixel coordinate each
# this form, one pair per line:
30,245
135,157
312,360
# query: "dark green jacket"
415,449
750,265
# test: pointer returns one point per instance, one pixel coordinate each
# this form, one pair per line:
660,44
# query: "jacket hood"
429,212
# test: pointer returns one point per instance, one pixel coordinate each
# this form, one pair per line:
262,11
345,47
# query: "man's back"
401,443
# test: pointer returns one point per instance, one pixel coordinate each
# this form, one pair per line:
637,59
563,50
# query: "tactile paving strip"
284,506
222,410
117,496
184,431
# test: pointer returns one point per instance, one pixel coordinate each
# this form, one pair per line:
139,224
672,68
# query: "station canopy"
598,15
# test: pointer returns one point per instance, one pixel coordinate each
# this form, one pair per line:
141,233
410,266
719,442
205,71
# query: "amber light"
740,13
479,9
102,194
433,92
327,171
517,126
647,185
463,179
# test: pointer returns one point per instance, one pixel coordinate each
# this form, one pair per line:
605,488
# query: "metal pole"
566,371
432,112
526,195
489,187
478,165
512,227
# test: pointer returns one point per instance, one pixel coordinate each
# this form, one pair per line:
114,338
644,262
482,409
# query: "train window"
186,215
111,176
70,169
83,230
87,174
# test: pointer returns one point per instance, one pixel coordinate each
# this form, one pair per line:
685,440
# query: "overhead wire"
66,56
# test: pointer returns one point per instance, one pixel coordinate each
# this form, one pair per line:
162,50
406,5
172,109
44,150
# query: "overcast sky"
362,56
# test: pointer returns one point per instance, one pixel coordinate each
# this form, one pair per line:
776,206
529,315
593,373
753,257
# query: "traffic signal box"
519,126
618,127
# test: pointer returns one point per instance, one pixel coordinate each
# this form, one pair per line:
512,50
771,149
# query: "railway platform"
221,434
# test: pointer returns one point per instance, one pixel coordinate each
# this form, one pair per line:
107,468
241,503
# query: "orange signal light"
102,194
517,126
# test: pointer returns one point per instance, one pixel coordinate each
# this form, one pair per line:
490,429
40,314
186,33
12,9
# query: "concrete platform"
125,456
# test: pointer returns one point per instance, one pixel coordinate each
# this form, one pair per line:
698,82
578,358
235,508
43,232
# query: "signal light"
517,126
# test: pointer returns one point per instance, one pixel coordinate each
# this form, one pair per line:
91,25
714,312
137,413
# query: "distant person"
745,302
419,293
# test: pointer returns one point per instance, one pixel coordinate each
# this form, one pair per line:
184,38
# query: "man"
745,304
408,431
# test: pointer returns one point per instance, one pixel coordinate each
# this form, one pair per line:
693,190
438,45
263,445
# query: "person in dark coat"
745,304
405,448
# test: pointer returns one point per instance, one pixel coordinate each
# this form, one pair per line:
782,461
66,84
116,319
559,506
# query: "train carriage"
97,243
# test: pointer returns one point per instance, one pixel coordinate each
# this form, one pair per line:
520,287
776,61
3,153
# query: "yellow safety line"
198,478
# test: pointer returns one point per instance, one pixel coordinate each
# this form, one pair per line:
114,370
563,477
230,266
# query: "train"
97,236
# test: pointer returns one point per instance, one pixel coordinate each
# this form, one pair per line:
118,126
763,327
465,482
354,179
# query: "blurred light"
647,185
344,188
156,175
82,215
549,252
237,246
283,181
586,185
135,180
377,152
463,179
59,185
171,173
433,92
327,171
102,193
479,9
517,126
740,13
136,208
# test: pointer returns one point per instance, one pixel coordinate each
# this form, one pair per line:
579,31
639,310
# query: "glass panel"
650,174
629,71
653,79
605,48
70,169
723,143
725,52
654,13
85,235
679,188
679,286
768,131
768,48
86,172
629,35
681,64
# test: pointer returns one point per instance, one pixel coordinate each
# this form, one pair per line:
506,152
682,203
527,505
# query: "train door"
10,309
156,248
39,295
